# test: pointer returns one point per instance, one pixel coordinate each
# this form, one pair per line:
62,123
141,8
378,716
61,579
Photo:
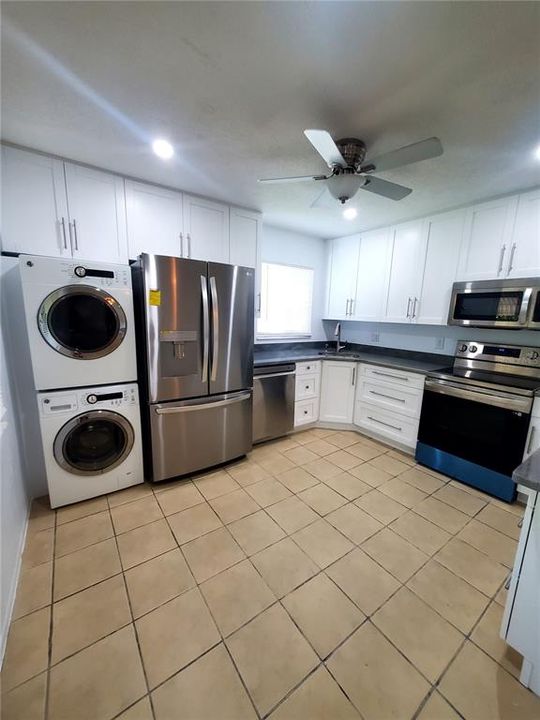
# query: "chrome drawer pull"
396,377
394,427
390,397
507,583
520,523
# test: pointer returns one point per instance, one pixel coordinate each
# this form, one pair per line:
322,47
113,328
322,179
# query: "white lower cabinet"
337,391
533,438
388,403
307,393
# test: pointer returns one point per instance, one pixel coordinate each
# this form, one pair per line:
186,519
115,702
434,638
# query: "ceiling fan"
350,172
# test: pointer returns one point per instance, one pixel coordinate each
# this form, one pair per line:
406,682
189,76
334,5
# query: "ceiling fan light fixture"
350,213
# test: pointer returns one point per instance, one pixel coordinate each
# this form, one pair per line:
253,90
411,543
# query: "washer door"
82,322
93,443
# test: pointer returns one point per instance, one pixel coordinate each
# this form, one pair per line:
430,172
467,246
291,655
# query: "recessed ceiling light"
537,152
163,149
350,213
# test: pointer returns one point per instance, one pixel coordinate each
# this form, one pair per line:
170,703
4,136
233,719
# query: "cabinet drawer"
306,411
307,386
388,396
385,374
394,426
308,368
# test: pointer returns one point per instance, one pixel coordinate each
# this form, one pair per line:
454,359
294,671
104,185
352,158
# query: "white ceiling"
233,85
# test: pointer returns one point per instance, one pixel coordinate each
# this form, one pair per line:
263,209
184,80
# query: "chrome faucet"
337,333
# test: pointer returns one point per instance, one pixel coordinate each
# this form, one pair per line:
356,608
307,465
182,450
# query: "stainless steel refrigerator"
195,350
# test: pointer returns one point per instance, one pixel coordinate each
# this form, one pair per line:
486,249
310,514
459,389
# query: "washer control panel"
53,271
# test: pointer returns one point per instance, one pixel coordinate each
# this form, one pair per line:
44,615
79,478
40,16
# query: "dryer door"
93,443
82,322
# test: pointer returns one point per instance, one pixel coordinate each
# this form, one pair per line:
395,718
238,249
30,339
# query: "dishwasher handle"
273,375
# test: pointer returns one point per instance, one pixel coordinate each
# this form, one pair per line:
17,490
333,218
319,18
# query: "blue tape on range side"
494,483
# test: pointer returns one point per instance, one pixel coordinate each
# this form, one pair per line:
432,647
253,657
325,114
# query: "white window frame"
282,335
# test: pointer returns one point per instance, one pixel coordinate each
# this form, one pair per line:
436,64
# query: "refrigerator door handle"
215,328
202,406
206,328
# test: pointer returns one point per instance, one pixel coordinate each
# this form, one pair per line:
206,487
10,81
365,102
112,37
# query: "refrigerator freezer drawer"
191,435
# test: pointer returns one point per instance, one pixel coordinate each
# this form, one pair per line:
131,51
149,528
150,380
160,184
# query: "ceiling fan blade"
390,190
298,178
422,150
326,147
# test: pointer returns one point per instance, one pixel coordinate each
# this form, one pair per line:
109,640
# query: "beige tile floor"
326,577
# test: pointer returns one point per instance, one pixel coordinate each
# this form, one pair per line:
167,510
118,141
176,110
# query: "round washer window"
93,443
82,322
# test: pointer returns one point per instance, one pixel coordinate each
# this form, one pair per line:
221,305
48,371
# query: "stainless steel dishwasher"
273,400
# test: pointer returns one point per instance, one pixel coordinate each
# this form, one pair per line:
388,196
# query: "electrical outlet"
374,337
439,343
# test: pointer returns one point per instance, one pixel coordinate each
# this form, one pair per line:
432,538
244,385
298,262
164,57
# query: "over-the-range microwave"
511,304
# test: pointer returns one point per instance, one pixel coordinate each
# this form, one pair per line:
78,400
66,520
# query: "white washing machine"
91,441
80,322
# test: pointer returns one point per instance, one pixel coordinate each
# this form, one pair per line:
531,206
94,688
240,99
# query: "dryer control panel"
113,397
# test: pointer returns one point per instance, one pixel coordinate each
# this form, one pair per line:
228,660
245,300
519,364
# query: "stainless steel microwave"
511,304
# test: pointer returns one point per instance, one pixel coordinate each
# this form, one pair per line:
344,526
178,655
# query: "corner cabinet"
337,391
155,221
206,230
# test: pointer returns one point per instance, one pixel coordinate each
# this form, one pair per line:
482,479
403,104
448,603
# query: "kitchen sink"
341,353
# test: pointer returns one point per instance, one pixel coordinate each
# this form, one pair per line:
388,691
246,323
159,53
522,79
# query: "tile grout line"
51,622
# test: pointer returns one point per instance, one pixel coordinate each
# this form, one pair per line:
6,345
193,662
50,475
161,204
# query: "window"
286,296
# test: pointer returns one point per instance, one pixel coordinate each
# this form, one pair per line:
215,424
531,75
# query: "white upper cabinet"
34,204
524,256
154,220
206,230
372,276
487,240
442,240
405,273
245,237
337,391
343,259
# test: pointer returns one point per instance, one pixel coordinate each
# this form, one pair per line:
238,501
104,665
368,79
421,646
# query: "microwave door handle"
215,328
206,328
525,304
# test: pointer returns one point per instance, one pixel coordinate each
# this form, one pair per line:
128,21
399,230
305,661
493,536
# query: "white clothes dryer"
80,322
91,441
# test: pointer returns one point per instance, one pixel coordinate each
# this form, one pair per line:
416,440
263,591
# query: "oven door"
474,434
489,307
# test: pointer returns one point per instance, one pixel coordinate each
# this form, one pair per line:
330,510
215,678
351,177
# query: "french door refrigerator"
195,351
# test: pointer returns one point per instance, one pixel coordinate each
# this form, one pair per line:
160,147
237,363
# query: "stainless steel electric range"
475,415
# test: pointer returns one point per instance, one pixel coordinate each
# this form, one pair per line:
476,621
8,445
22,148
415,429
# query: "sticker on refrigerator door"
154,297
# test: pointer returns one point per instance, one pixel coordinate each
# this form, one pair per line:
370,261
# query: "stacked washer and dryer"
81,335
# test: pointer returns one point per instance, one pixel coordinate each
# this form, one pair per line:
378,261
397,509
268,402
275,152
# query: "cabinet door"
154,220
206,227
372,276
245,246
34,207
487,240
97,213
405,273
337,391
442,237
524,257
342,276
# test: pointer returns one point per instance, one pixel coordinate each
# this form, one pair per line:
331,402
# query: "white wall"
425,338
291,248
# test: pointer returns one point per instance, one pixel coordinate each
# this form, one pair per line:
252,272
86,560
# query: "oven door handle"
480,395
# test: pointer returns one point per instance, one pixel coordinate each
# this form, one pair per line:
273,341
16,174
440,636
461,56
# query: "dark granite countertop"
528,473
386,357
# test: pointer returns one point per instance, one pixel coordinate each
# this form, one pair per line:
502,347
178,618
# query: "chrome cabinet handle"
63,223
189,244
512,253
181,236
215,327
501,259
396,377
259,303
70,237
353,303
390,397
414,307
394,427
529,444
347,307
409,308
206,328
353,375
75,235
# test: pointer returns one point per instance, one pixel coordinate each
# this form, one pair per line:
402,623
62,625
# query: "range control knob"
534,355
80,271
472,348
91,399
463,348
